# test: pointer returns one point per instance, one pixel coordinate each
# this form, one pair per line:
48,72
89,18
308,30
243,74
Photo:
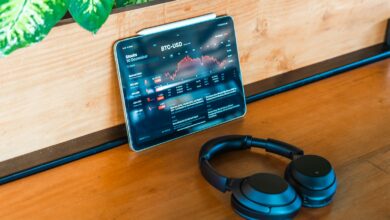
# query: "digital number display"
179,81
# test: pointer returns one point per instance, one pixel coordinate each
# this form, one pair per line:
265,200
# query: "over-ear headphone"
309,179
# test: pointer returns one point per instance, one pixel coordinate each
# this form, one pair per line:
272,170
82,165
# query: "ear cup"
265,196
314,180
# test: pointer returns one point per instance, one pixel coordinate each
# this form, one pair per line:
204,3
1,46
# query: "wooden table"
344,118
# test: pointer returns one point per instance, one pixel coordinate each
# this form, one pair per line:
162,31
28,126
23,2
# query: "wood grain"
344,118
66,86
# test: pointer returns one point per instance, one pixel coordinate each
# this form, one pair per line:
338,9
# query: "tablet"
179,81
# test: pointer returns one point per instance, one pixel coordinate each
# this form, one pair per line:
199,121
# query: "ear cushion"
314,180
265,196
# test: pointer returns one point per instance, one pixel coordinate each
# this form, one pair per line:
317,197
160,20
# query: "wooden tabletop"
345,118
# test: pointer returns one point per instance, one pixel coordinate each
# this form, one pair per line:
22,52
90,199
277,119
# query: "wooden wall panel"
66,86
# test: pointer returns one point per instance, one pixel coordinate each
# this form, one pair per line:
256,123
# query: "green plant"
25,22
122,3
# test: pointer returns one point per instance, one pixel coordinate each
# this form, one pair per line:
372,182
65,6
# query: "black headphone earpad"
264,196
314,180
244,211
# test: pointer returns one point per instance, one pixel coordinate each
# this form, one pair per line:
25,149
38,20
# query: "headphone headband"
238,142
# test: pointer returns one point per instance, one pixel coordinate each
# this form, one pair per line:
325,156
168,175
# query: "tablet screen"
179,81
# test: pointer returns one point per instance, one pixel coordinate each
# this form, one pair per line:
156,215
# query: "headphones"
309,180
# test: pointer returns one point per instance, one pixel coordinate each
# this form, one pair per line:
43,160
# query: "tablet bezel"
127,122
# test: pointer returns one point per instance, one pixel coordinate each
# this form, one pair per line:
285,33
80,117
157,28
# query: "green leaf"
90,14
122,3
24,22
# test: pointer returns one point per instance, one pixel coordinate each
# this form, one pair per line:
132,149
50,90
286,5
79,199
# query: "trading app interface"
180,81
